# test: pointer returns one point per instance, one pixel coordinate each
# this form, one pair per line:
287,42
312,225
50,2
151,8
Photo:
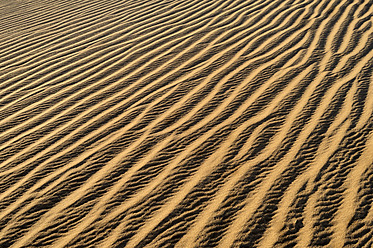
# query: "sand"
202,123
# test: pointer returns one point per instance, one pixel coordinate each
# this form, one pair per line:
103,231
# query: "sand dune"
204,123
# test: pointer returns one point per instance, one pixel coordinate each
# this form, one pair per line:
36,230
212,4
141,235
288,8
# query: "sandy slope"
202,123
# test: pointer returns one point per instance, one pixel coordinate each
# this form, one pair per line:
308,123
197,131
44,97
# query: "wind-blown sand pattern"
202,123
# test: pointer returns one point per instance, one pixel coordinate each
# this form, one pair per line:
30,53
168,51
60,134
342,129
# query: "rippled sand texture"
202,123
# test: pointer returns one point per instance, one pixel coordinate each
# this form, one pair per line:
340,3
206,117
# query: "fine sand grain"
201,123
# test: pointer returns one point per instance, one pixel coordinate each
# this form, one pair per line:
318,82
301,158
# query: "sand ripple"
224,123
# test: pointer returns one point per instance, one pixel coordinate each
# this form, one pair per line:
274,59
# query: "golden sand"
202,123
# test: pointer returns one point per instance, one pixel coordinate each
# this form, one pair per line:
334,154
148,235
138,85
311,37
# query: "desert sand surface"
201,123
